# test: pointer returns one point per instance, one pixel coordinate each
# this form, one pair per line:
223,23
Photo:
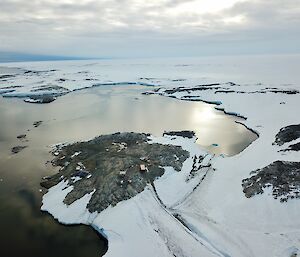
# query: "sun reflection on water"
203,116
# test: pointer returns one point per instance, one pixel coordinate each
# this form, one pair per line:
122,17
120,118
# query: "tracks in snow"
171,211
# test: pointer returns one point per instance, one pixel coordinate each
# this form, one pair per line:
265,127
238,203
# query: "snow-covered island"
245,205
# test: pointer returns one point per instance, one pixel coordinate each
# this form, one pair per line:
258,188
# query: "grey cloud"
131,27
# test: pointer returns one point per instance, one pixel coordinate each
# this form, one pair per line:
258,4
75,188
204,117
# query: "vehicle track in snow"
171,211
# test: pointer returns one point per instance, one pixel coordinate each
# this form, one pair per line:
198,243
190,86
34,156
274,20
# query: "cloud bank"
112,28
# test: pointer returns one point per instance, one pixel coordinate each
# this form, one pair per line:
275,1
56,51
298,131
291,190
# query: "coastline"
214,215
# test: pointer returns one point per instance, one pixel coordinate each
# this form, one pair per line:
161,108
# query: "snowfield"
206,214
59,78
209,214
259,226
62,77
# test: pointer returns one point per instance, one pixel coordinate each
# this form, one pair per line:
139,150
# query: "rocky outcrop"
40,99
37,123
115,167
184,133
17,149
282,176
292,147
287,134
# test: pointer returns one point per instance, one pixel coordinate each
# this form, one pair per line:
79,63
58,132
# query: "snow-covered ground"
221,220
218,219
261,225
144,225
207,215
61,77
58,78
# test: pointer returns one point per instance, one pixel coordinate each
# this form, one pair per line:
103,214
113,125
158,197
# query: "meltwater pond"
82,115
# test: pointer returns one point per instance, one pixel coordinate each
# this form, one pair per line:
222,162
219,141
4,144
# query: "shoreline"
216,213
89,218
225,165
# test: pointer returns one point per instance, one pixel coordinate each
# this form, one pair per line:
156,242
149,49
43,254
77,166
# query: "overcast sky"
125,28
